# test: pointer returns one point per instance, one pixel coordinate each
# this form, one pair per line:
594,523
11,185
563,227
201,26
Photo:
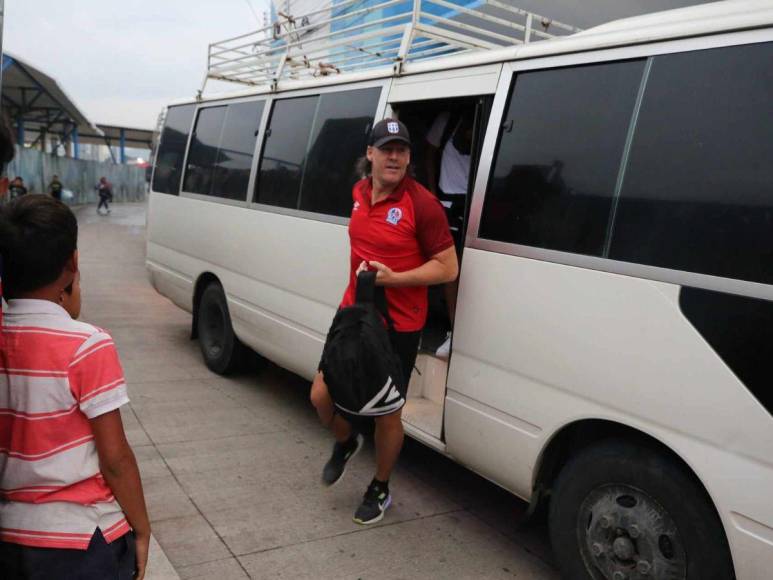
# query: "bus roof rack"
361,34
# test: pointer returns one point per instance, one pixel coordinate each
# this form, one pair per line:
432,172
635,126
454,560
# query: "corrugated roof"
30,93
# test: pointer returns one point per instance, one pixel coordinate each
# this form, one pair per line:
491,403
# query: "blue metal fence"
77,175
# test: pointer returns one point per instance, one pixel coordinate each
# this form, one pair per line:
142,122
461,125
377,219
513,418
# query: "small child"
70,489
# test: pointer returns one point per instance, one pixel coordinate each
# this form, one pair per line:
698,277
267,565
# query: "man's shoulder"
423,199
361,185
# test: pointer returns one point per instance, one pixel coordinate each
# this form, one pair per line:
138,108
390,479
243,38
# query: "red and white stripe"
55,375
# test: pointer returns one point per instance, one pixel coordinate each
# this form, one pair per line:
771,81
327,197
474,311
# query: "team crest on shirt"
394,215
356,206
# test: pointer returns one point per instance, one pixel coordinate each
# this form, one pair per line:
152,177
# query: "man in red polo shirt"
398,229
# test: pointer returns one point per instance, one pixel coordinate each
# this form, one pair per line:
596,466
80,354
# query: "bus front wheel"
620,511
221,349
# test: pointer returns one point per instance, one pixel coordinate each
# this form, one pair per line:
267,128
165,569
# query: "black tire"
615,505
222,351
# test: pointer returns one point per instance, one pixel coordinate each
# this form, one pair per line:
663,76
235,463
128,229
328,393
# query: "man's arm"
433,140
441,268
119,468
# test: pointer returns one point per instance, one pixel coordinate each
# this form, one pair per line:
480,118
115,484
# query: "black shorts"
101,560
406,347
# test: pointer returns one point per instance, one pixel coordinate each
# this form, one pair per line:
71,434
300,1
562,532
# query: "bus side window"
171,149
555,172
697,191
284,152
338,140
202,153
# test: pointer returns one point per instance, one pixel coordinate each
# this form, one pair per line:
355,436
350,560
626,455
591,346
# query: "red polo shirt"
402,231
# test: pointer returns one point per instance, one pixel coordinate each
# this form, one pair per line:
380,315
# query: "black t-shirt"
17,190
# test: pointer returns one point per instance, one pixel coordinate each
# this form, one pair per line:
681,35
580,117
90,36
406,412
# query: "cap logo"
393,127
394,215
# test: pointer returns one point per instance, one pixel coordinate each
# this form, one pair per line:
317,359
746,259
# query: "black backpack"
362,372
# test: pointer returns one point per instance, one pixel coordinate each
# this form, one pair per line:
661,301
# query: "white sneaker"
444,349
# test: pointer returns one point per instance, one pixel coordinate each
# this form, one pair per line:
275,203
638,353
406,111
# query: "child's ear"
75,259
72,263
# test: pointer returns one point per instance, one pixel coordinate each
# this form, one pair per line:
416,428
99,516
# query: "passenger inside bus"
450,140
442,163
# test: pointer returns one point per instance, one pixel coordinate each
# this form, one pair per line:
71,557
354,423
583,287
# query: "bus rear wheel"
620,511
221,349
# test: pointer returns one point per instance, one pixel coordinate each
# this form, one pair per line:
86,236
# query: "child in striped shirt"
71,500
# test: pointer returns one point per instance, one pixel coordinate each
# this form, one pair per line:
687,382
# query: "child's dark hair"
6,144
38,234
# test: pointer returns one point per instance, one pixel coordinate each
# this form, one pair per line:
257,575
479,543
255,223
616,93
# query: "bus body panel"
446,84
283,277
528,362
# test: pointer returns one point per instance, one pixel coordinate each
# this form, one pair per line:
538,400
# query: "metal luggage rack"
348,36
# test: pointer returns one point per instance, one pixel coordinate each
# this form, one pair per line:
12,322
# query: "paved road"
231,465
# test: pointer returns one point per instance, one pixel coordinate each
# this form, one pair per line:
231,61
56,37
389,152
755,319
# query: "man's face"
390,162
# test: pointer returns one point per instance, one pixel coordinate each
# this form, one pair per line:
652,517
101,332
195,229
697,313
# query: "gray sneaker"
342,452
374,503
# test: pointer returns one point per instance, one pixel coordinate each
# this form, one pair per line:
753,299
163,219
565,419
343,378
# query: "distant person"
55,188
17,188
71,500
105,192
450,137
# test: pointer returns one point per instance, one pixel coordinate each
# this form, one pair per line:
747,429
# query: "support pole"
122,141
76,146
2,58
20,131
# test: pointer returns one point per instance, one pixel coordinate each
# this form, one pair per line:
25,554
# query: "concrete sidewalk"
231,466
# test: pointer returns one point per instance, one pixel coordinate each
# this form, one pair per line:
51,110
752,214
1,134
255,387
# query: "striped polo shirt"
55,374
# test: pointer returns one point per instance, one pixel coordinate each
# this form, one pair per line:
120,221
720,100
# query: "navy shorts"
100,561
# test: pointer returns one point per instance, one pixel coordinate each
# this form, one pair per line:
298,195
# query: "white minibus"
612,351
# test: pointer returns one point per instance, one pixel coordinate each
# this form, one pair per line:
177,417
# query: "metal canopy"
347,36
111,135
36,102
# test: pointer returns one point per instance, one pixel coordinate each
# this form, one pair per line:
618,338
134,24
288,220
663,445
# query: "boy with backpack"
399,231
105,192
71,500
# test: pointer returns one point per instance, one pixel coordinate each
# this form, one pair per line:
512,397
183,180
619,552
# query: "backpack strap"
367,292
366,288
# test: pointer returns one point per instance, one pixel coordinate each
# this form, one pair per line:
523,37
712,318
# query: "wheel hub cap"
625,534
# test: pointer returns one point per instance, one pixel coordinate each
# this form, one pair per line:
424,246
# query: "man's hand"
143,546
385,276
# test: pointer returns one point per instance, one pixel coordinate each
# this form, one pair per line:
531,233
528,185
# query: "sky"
121,61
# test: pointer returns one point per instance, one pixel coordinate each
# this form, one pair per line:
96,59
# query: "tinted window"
559,155
698,190
171,149
237,145
339,138
284,152
203,150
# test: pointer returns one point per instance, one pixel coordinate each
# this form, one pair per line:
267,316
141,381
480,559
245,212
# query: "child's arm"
119,468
